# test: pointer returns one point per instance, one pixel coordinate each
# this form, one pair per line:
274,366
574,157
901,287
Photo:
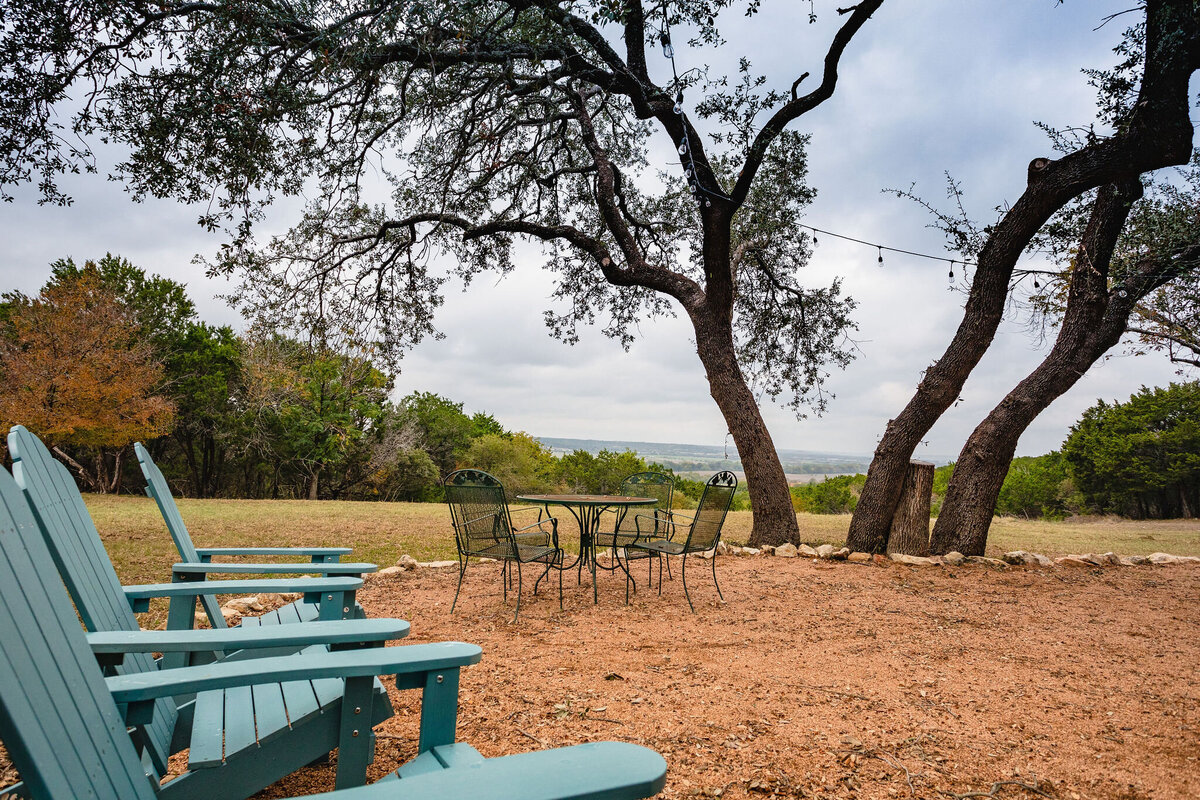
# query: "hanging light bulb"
707,203
1036,285
1121,293
951,272
880,248
683,147
668,51
815,242
678,109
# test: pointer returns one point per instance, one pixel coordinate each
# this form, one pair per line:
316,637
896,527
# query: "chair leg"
462,571
562,557
545,572
504,579
714,563
518,611
683,575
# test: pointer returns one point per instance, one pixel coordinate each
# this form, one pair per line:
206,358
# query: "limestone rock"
229,614
1110,558
1025,557
725,549
1167,558
916,561
984,561
390,571
841,554
1134,561
859,558
787,550
242,605
710,554
806,551
825,551
1073,561
489,561
750,551
954,558
437,564
768,549
407,562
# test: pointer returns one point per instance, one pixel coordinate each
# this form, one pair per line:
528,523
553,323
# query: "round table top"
587,499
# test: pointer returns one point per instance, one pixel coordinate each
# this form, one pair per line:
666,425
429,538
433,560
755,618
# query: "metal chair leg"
518,611
714,563
462,571
561,559
683,575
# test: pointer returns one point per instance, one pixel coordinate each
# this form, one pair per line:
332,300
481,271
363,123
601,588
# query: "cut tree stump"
910,524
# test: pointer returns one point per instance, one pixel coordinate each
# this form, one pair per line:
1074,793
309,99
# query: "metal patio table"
586,508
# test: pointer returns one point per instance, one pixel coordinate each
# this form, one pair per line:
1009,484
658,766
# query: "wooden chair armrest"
407,660
278,568
348,632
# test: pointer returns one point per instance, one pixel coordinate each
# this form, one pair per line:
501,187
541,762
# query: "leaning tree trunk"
1093,323
770,497
1158,134
983,463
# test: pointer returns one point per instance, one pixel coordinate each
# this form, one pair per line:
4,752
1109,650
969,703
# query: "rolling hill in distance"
696,460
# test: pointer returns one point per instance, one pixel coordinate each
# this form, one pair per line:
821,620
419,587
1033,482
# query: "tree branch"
799,106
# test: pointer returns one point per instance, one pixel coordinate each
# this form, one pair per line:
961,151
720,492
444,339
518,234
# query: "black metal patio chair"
703,530
640,484
483,528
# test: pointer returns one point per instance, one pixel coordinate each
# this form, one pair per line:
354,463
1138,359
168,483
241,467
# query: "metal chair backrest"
478,510
645,484
711,511
57,718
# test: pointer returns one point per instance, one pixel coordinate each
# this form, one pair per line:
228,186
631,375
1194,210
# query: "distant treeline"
106,355
1138,459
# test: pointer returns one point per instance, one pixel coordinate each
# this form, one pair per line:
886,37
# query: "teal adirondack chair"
158,490
64,723
242,737
59,506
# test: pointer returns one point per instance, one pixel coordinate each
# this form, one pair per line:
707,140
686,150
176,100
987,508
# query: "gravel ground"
818,679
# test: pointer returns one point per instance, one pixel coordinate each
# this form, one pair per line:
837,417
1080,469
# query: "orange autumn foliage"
74,371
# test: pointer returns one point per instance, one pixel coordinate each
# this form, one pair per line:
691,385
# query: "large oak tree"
1154,131
489,121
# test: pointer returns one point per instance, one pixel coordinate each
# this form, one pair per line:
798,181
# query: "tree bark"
1158,134
910,525
312,486
770,497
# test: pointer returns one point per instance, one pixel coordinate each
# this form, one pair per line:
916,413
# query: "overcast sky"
927,86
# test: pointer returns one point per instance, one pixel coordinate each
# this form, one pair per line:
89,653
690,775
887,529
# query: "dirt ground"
832,680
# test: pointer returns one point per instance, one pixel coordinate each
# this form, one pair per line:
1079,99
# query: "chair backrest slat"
53,700
158,489
711,512
478,510
79,556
